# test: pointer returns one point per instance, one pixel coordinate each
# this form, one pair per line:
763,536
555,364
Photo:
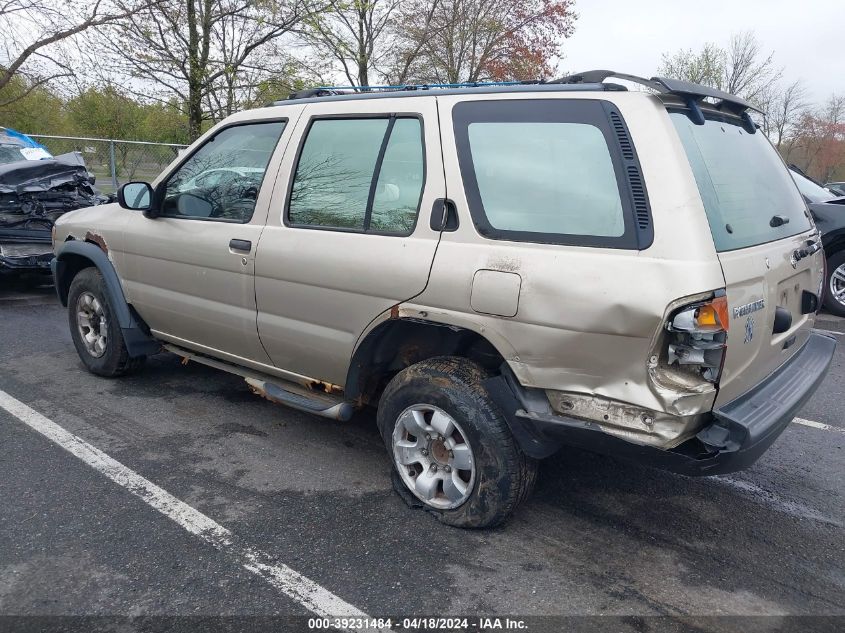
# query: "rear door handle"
240,245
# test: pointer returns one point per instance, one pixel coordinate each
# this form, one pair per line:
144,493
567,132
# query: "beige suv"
499,269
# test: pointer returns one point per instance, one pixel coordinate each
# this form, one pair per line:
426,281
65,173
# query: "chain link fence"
113,161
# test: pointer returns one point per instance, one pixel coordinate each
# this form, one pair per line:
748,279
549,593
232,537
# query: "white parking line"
819,425
774,501
306,592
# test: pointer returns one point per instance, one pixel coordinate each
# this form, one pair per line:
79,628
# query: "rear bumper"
738,434
744,428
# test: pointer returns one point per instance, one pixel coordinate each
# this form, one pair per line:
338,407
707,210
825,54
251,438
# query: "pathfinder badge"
748,308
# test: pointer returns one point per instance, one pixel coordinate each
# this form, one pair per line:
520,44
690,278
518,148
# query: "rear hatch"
765,242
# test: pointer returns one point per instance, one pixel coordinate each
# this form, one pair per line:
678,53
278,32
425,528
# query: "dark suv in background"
837,188
828,211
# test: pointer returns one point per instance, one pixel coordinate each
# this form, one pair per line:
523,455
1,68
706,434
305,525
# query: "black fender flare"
833,241
135,333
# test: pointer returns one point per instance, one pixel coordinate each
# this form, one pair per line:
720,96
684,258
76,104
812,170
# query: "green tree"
105,113
31,109
164,123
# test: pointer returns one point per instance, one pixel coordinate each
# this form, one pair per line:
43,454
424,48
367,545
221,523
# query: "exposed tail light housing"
698,336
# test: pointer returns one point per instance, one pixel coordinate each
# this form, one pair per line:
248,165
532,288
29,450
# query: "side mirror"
137,196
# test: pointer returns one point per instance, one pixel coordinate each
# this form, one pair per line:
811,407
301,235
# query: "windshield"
810,190
10,153
744,185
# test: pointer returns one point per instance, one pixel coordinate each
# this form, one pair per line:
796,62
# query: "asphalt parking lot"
311,500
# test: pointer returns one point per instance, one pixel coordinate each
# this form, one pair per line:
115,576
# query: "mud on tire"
504,476
114,360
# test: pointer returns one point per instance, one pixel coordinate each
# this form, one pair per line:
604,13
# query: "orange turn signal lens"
714,313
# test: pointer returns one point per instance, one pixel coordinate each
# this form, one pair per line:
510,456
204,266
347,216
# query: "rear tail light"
698,337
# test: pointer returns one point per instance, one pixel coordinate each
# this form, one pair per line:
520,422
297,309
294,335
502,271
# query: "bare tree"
784,107
748,70
33,30
475,40
200,50
412,30
353,33
742,68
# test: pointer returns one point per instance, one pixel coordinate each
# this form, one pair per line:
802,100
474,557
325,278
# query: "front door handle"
240,245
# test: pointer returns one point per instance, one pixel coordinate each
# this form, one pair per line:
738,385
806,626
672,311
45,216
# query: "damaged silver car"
35,190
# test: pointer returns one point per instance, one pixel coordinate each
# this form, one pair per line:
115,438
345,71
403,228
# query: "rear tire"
95,331
835,281
443,400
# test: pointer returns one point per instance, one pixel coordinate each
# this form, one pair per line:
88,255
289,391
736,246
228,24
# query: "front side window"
362,174
542,170
221,180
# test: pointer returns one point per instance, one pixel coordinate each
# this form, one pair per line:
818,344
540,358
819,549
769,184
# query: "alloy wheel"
433,456
91,322
837,284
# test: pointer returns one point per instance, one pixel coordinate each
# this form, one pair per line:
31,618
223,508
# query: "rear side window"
546,178
743,183
548,171
359,174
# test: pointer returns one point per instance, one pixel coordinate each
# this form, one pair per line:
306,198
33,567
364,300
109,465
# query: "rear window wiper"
778,220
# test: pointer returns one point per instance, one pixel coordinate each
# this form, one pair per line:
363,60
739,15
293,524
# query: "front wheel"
94,329
451,447
834,296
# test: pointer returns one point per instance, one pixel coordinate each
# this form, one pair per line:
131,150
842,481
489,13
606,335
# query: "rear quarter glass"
551,171
742,181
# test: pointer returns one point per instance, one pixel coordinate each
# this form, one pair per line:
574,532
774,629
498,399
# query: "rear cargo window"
743,183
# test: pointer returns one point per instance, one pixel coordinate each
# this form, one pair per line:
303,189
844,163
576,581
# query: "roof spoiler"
688,91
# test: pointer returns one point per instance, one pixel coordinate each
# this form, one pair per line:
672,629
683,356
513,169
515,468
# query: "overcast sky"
808,37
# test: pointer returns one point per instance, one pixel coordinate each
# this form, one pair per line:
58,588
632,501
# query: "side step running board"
293,395
327,405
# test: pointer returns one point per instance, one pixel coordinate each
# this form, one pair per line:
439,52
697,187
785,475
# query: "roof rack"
329,91
692,94
664,85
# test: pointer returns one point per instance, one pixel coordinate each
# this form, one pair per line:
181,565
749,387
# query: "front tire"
94,329
451,447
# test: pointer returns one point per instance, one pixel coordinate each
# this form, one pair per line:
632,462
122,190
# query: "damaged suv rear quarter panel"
588,317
